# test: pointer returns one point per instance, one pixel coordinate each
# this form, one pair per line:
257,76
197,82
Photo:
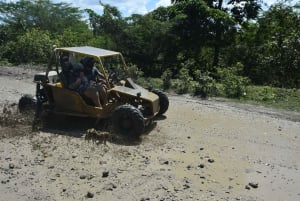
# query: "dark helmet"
65,62
87,62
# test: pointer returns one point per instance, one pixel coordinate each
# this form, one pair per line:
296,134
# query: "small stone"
110,187
89,195
188,137
247,187
166,163
201,166
11,166
82,176
64,190
211,160
51,167
253,184
105,174
89,177
201,148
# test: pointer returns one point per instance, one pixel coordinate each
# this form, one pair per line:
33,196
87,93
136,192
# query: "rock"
247,187
201,148
211,160
89,195
186,186
89,177
109,187
11,166
105,174
164,162
82,176
201,166
253,184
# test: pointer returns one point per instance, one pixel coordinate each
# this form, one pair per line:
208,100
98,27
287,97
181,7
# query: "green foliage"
24,15
234,84
33,46
134,72
206,85
275,97
71,38
148,82
166,77
183,84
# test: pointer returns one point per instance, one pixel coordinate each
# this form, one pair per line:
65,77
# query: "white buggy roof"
91,51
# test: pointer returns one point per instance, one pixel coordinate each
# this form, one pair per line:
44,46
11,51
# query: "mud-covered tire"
27,103
128,121
163,101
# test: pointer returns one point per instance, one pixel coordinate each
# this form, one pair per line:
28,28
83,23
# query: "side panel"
70,102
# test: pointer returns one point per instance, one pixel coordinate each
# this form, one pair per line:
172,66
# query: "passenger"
80,84
96,79
66,73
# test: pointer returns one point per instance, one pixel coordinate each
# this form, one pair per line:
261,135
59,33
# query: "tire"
163,101
27,103
128,121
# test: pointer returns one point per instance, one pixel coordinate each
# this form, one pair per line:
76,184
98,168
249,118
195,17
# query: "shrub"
34,46
234,84
205,85
166,77
184,82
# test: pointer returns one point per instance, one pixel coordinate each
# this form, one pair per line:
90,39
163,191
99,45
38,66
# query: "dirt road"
202,150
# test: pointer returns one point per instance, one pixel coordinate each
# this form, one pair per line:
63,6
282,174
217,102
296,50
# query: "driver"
95,78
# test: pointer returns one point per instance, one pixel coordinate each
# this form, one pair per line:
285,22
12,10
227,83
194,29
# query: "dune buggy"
130,106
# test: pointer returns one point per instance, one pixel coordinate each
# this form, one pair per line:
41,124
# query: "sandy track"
202,150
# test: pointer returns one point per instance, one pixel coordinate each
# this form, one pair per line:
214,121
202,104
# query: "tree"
21,16
218,21
279,36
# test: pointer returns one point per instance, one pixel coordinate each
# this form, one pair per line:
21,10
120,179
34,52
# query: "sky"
127,7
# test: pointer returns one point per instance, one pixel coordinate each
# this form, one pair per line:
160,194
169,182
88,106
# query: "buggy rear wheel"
163,101
27,103
128,120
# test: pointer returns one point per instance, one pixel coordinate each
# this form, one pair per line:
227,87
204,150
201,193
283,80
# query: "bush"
205,85
32,47
166,77
184,82
234,84
134,72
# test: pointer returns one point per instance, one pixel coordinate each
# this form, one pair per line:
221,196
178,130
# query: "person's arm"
75,84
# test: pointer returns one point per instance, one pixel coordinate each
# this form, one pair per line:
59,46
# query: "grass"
288,99
280,98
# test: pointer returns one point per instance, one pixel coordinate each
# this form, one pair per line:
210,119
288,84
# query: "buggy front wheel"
128,121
